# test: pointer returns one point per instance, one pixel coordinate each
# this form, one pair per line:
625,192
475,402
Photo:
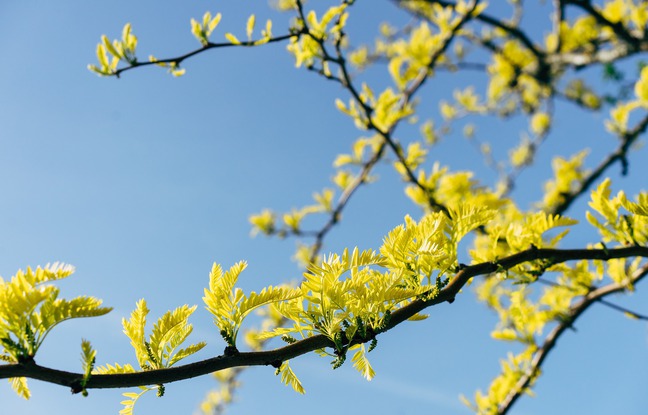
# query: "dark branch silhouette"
275,357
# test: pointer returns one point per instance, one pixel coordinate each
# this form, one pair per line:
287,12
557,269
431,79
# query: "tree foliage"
346,301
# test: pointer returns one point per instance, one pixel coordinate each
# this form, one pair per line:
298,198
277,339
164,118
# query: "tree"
346,301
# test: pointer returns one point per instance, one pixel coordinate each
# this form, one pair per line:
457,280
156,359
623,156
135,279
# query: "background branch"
619,156
575,311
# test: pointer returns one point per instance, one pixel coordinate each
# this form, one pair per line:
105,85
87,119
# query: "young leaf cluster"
161,349
229,305
30,308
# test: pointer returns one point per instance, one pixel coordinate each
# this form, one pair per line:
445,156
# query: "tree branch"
409,93
617,27
179,59
620,155
344,199
491,21
274,357
576,311
627,312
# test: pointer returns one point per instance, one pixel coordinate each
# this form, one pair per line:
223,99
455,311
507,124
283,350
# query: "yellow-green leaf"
19,385
249,28
288,377
361,363
233,40
134,329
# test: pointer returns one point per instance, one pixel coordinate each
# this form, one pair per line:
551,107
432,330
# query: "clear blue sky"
143,182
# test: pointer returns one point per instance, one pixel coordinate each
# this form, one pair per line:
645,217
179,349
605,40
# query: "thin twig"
619,156
179,59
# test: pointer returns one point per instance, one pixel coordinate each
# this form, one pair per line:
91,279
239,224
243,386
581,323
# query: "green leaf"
31,308
232,39
19,385
639,208
212,23
223,283
55,311
51,272
266,296
249,28
169,331
221,298
361,363
288,377
88,357
467,218
229,305
279,331
113,370
187,351
110,47
134,329
129,404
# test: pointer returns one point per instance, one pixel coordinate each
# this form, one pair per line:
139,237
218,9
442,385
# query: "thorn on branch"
275,363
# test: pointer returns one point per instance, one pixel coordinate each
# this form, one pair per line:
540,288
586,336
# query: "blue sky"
143,182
